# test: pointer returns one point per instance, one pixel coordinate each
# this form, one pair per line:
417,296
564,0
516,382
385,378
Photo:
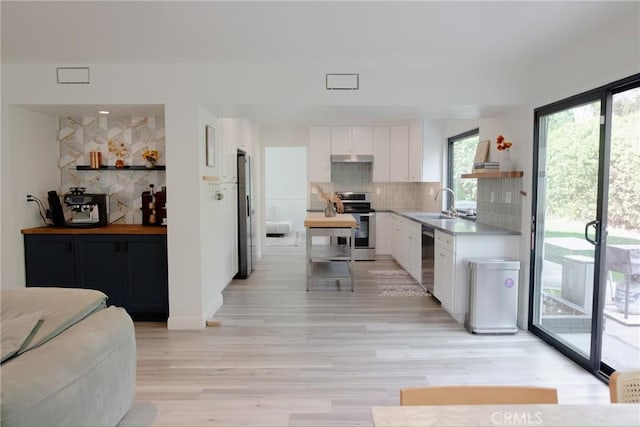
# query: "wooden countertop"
318,220
109,229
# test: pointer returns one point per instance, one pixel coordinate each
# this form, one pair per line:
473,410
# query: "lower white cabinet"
383,233
406,245
451,277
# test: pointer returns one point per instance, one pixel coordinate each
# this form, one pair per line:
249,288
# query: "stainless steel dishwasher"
428,249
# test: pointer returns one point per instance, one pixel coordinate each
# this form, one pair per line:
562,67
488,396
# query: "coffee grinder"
154,211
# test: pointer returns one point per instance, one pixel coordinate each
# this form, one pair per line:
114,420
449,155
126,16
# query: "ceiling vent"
343,81
72,75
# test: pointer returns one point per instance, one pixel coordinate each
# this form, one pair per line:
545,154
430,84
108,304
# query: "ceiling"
437,33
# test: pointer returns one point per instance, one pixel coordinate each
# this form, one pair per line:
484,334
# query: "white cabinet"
352,140
405,157
319,155
444,269
399,153
415,151
341,140
451,278
362,140
406,245
381,154
383,233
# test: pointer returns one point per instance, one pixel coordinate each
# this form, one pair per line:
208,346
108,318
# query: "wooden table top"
616,414
109,229
318,220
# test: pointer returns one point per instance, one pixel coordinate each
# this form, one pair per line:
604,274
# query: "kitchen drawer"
445,240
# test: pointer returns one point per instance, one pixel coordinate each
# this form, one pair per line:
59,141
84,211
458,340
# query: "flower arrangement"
151,155
502,144
118,149
330,199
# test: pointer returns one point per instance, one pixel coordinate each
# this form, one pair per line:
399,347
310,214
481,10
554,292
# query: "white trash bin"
493,295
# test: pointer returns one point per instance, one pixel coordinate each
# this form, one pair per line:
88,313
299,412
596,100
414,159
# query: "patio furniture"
624,386
624,259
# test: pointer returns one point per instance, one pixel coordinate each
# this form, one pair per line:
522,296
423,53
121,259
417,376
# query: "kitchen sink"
429,215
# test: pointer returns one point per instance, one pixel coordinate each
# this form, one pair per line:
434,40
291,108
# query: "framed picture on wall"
211,146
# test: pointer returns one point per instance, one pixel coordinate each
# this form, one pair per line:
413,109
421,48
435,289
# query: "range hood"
351,158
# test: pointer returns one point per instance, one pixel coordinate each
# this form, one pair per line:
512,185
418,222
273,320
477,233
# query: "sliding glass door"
585,268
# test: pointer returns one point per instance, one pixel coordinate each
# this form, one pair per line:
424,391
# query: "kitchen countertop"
457,226
318,220
108,229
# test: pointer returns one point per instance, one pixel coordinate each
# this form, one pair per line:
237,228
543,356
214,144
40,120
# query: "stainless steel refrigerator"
246,215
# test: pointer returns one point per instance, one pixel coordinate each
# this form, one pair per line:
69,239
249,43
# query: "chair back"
477,395
624,386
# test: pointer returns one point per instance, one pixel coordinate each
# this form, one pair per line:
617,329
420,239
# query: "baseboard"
175,322
214,306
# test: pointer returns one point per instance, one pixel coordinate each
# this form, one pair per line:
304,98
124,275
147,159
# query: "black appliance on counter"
358,204
154,209
246,218
87,210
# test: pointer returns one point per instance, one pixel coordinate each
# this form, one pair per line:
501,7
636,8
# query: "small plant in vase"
330,200
506,165
151,156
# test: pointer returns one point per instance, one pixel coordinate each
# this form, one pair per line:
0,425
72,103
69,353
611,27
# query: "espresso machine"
87,210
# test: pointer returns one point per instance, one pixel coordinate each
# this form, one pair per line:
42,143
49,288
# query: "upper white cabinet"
405,157
415,151
351,140
319,155
381,154
362,140
399,154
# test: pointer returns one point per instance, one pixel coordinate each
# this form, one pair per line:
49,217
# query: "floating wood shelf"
514,174
125,168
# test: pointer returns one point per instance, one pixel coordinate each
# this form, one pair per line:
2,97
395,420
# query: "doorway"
285,195
585,298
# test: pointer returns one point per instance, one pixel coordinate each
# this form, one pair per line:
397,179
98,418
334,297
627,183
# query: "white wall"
286,185
30,166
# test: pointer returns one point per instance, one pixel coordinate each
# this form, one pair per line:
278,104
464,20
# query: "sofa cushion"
17,333
59,308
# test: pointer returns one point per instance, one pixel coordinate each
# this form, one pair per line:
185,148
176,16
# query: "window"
462,151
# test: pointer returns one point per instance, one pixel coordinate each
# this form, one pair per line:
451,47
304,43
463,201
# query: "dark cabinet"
130,269
50,260
146,278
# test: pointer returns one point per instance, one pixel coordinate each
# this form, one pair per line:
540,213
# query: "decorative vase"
506,165
119,163
330,210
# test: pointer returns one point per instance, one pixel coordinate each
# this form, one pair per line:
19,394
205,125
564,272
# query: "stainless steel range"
359,205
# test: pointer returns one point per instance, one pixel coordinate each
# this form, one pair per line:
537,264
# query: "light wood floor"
283,356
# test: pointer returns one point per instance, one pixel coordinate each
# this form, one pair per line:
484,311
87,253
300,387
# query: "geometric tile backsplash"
78,136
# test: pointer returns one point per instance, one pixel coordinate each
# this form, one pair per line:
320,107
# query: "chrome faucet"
451,212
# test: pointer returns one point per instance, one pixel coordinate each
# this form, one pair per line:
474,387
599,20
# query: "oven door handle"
363,214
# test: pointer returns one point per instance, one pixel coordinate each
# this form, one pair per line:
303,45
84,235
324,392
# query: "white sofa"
68,360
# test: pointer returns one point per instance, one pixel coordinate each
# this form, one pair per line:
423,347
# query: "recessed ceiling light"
103,112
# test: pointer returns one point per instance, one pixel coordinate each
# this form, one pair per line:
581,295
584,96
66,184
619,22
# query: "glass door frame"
603,94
